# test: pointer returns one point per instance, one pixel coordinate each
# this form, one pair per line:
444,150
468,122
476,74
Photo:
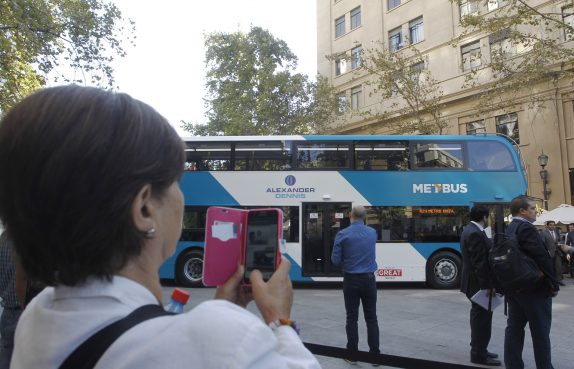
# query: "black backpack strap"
91,350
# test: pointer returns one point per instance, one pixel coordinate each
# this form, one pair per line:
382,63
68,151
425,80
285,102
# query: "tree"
252,88
410,96
529,45
38,37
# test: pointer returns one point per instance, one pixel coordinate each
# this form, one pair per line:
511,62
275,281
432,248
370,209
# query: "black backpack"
512,269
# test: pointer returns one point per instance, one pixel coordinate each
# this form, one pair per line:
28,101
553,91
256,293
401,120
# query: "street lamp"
543,161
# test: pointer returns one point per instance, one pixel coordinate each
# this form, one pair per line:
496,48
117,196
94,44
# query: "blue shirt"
354,249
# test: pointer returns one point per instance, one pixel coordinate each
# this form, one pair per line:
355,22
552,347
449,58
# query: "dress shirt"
215,334
354,249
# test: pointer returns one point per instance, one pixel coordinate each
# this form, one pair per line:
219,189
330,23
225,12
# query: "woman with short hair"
89,193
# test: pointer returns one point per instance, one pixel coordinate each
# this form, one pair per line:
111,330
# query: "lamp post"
543,161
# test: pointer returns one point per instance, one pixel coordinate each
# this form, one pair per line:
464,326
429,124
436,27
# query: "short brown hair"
520,202
72,159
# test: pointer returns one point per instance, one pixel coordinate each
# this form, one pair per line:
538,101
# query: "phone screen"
261,243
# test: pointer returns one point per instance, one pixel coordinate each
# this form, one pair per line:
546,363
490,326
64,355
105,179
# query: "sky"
166,67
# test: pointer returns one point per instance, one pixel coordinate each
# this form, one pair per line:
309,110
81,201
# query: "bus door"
321,222
499,217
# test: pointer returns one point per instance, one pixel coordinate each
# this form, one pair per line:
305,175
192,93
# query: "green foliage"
410,96
39,37
528,46
252,88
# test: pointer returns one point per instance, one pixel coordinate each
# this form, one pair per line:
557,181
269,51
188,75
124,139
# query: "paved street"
415,322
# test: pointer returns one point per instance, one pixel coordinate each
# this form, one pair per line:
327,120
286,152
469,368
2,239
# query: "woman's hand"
233,290
275,297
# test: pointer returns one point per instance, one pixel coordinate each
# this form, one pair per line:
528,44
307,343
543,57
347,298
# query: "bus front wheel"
443,270
189,268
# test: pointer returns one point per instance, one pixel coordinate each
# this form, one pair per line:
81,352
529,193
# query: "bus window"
194,223
381,156
392,223
208,156
438,155
323,155
439,223
262,156
489,155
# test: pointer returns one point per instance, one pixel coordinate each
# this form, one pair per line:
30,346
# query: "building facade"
346,28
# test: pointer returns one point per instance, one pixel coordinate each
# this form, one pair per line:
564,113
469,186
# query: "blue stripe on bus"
296,273
396,188
426,249
206,190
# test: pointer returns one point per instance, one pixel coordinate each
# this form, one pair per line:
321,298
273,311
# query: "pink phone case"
224,235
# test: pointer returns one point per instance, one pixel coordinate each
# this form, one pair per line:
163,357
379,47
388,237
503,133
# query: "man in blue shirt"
354,252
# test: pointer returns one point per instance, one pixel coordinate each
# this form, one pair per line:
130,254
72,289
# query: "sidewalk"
425,324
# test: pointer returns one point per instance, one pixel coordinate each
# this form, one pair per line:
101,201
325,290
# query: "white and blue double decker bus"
418,191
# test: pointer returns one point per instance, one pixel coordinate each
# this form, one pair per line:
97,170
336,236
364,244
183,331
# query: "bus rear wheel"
443,270
189,268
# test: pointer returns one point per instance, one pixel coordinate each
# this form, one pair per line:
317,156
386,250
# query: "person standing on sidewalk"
354,252
532,306
11,308
476,276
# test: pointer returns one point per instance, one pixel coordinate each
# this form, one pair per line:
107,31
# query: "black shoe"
486,361
491,355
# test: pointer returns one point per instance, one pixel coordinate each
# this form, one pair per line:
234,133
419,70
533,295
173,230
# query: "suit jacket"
475,245
569,239
532,244
549,241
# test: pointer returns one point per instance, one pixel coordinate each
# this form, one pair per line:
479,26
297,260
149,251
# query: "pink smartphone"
263,233
224,237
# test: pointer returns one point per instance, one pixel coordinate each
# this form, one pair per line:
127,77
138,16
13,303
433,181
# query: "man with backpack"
476,276
532,304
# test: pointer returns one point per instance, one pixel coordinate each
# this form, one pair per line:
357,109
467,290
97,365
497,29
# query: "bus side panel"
167,269
400,262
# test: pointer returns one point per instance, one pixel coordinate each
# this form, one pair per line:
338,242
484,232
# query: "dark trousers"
8,322
361,288
480,331
534,308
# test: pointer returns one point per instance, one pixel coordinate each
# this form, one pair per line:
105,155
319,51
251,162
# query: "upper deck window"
438,155
262,156
323,155
208,156
489,155
382,155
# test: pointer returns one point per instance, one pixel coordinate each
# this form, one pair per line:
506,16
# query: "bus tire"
443,270
189,268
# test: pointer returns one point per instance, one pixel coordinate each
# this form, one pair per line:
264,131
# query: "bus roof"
344,138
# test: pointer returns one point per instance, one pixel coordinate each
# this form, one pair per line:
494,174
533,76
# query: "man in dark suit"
534,305
476,276
551,238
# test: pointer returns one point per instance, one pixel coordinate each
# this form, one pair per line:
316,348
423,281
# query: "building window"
500,44
356,57
478,126
393,4
395,39
356,97
470,56
468,8
340,66
416,70
342,103
507,124
568,19
416,31
492,5
355,17
340,26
